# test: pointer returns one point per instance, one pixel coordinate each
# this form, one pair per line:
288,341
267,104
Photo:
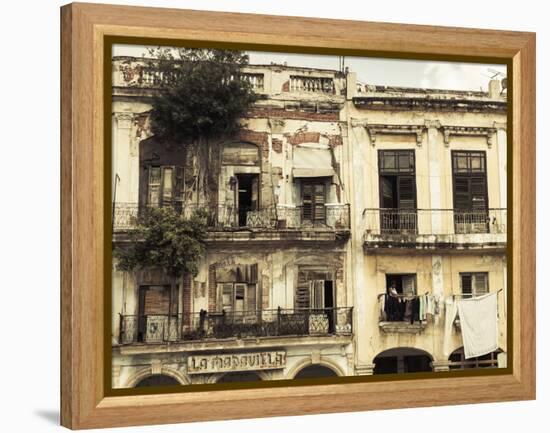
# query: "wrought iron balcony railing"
434,221
161,328
221,217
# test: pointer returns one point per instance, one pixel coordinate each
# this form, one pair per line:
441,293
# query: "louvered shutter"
478,192
307,201
480,284
240,297
406,192
153,187
462,193
319,200
302,297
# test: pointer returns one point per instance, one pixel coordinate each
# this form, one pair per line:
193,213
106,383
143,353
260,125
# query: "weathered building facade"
331,192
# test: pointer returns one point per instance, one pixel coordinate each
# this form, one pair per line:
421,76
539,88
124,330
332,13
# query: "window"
397,191
314,290
474,284
236,288
459,362
164,186
405,284
238,297
470,192
313,202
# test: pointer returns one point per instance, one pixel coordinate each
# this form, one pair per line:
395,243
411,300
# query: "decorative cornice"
407,103
471,131
416,130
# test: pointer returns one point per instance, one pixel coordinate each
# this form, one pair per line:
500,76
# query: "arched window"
314,371
402,360
157,380
459,362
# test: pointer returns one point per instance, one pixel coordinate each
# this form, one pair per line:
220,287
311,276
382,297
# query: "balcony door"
313,202
154,312
470,201
164,186
397,191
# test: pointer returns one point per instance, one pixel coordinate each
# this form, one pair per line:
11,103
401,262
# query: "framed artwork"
318,215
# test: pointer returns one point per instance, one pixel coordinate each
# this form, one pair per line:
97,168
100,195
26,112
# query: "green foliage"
204,94
164,239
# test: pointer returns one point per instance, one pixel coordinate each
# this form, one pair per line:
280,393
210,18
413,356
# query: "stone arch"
145,372
490,360
403,360
247,375
308,363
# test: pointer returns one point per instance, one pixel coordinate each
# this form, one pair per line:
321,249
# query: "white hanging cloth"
479,325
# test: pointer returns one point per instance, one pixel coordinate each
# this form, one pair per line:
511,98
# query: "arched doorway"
157,380
402,360
240,376
315,371
459,362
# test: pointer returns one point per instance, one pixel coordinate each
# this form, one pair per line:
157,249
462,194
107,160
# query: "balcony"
396,317
205,327
228,223
435,229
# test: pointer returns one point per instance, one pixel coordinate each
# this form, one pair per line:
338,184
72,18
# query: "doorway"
247,196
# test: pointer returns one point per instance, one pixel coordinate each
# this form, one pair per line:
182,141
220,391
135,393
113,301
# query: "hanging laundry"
450,315
479,325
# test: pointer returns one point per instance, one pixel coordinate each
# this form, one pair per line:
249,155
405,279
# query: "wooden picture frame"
84,120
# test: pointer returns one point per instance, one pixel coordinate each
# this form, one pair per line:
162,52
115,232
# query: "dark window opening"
402,361
247,196
313,371
240,376
157,380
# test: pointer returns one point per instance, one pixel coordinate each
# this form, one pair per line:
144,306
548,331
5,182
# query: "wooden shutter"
478,193
251,297
307,201
302,296
240,297
156,300
408,284
255,189
153,186
462,193
167,185
480,285
317,289
319,200
406,192
225,291
178,187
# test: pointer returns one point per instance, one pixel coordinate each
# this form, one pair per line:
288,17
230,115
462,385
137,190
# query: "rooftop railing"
162,328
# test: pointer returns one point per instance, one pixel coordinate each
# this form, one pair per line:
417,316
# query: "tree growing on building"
164,239
204,95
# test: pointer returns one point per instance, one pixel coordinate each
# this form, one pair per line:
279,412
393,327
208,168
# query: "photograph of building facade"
348,222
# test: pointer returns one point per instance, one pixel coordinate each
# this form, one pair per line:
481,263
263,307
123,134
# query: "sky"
379,71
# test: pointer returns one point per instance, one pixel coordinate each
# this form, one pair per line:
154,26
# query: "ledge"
233,344
402,327
486,242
